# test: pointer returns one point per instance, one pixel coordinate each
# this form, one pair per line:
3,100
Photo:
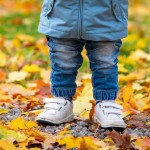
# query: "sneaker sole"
110,126
50,122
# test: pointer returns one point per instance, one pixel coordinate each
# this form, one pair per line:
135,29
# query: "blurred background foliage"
22,17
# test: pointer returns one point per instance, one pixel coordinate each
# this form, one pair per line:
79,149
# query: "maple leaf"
21,123
12,135
121,140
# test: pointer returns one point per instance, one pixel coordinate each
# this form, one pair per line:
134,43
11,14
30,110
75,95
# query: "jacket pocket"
47,7
120,9
117,9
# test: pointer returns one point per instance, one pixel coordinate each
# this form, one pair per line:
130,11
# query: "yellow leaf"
88,143
13,135
31,68
23,37
127,93
146,108
137,86
21,123
85,114
7,145
133,104
43,48
3,111
80,106
131,38
141,43
16,76
3,59
16,43
70,142
122,69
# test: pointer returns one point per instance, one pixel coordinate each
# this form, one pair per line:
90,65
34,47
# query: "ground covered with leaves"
24,82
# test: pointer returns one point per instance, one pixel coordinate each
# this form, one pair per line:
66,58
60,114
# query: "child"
98,25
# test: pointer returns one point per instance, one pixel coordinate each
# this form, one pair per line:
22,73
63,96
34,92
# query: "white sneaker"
56,111
108,114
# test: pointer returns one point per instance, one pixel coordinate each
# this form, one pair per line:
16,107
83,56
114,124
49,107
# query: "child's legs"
103,63
66,59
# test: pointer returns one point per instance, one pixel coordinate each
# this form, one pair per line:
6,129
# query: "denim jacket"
84,19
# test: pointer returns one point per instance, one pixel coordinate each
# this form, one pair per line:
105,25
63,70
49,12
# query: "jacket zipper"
80,20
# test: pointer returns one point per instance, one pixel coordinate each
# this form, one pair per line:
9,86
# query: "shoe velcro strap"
110,104
112,111
53,106
55,100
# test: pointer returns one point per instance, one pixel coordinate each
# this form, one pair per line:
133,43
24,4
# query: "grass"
19,23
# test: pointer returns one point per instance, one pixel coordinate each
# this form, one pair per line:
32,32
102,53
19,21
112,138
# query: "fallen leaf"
12,135
7,145
21,123
16,76
31,68
121,140
3,59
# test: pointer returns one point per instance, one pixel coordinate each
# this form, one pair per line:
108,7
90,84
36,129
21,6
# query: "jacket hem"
86,36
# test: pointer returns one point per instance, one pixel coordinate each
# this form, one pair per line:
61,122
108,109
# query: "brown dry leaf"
21,123
121,140
92,109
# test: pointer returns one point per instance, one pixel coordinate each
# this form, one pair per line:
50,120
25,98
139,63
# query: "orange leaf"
92,109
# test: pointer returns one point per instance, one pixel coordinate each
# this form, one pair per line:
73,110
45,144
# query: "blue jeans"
66,59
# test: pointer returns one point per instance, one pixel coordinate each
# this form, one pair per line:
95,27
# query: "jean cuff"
104,95
62,92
